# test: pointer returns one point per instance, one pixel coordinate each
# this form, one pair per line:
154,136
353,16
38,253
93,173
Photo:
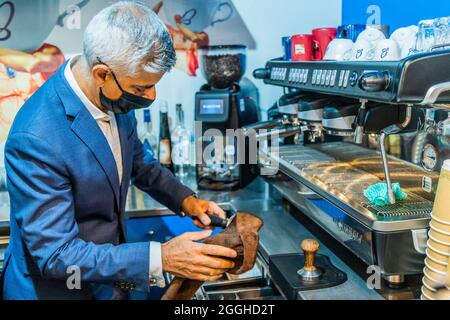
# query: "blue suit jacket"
67,206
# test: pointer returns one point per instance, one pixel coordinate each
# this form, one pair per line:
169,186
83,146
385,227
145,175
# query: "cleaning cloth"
377,194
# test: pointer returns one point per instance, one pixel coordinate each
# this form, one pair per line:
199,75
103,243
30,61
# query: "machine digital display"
212,107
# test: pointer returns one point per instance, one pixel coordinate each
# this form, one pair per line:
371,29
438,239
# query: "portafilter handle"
264,125
262,73
310,271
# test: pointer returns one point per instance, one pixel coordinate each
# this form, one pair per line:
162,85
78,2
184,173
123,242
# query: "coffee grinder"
222,106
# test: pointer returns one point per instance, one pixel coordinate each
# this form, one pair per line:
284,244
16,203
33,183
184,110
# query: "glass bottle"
181,139
148,138
165,142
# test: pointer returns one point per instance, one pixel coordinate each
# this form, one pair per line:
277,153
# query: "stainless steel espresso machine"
378,109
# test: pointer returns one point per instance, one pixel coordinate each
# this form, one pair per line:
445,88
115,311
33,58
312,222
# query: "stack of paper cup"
436,280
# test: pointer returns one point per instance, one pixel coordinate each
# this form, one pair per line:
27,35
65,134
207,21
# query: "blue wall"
396,13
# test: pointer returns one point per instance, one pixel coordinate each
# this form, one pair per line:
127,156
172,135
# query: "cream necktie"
112,135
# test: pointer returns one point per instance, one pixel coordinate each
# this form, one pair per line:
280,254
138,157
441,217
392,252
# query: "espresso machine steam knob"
310,272
374,81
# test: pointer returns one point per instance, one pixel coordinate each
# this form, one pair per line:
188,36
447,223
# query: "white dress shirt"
108,125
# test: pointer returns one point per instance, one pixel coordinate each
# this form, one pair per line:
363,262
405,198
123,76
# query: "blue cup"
286,43
350,31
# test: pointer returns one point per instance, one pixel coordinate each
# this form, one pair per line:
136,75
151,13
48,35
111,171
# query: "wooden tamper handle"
310,248
310,271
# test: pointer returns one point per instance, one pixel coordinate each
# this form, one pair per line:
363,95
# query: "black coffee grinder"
222,107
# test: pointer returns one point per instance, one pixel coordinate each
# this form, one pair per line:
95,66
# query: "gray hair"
129,36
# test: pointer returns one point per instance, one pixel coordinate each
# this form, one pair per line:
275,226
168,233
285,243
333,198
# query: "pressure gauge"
429,157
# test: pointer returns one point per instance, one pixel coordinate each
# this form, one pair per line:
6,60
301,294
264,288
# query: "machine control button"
319,77
328,78
276,73
293,75
354,78
341,78
300,76
282,73
333,78
346,78
324,78
305,76
314,77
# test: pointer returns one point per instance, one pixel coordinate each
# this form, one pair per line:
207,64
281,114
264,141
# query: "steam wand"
393,129
359,130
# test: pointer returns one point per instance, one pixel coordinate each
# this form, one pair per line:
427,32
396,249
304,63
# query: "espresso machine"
223,106
371,107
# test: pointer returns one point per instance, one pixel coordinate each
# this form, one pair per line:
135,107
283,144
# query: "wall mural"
37,36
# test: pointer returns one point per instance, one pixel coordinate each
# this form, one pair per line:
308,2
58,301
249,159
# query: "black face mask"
126,103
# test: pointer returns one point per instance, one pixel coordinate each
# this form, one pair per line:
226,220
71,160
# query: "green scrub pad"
377,194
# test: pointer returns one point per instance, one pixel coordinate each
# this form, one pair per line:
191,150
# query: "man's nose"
151,93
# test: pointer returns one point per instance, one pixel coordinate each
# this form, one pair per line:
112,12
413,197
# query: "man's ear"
101,74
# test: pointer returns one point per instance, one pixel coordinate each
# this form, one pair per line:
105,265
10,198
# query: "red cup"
321,39
302,47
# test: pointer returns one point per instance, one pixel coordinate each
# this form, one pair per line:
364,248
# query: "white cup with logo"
371,35
363,50
406,39
387,50
339,50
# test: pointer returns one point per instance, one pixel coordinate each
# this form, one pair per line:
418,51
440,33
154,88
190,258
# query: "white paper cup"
439,234
433,285
437,255
447,223
441,208
428,294
444,227
436,265
439,227
430,285
443,295
442,271
438,245
436,278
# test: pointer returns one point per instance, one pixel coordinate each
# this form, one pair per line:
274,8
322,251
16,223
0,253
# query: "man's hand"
183,257
201,209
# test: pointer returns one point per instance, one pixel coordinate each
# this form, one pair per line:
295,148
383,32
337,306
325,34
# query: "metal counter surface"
281,233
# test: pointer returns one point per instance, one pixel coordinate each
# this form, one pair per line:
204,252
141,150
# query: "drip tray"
283,270
242,289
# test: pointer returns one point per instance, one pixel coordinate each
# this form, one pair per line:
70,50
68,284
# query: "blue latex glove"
377,194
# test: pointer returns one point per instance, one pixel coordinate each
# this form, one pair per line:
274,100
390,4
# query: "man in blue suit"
70,156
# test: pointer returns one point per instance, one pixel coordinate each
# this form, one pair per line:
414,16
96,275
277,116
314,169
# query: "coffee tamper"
309,272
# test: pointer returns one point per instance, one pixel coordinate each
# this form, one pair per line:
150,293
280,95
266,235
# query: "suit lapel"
87,129
125,130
